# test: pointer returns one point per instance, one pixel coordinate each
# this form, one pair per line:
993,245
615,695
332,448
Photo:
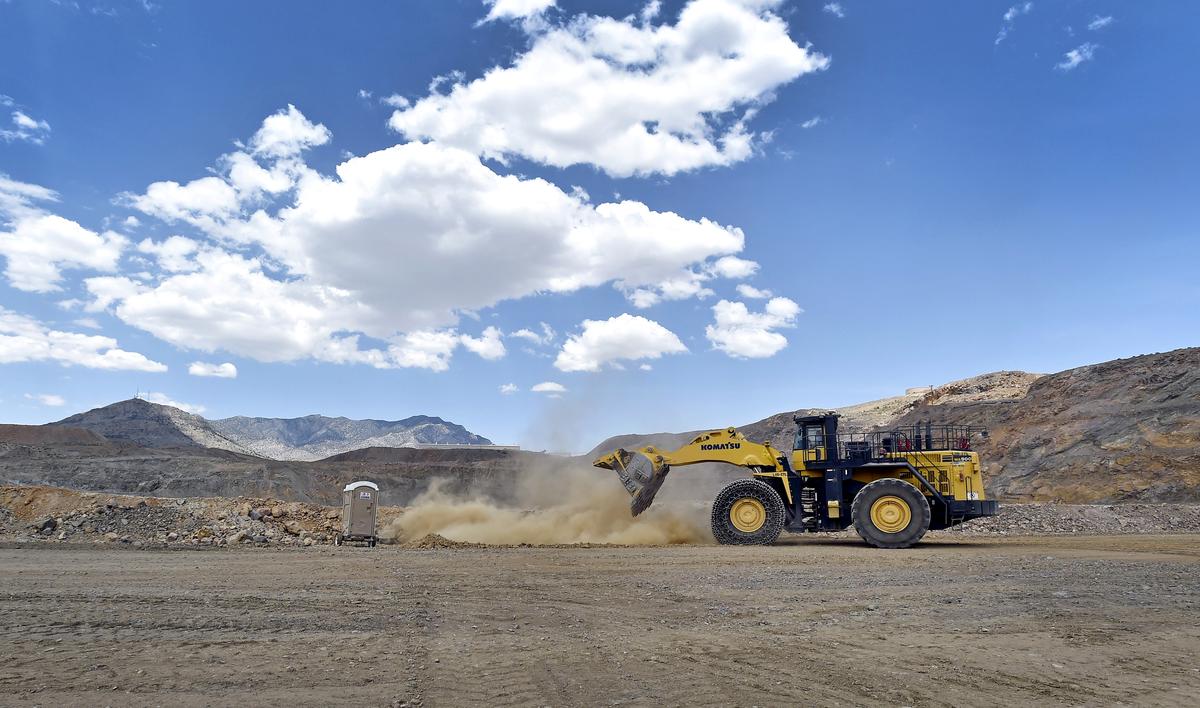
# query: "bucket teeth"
640,476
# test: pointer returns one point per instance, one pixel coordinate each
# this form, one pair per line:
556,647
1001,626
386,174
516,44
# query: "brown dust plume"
563,505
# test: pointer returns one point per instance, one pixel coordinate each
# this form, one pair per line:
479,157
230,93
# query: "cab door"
810,443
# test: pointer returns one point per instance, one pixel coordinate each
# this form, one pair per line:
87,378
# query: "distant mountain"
312,437
316,437
152,425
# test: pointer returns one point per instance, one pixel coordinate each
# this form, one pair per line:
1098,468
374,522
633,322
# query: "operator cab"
816,435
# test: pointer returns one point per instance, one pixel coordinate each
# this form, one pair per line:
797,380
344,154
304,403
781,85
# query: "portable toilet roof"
355,485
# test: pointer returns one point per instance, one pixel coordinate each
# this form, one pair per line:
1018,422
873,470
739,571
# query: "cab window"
809,437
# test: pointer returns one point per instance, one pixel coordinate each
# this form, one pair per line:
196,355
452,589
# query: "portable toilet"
360,506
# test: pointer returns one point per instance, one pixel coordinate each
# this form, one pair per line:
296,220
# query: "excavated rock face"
49,435
1122,430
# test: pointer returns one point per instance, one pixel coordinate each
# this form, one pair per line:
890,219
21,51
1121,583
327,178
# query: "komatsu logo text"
721,446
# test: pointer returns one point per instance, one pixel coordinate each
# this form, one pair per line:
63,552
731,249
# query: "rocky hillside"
996,387
779,429
151,425
1123,430
316,437
1127,429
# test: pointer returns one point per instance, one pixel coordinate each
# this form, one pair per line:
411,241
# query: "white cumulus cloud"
541,339
622,338
752,293
550,388
47,399
1099,23
1078,55
220,371
396,247
835,9
395,101
24,339
630,98
516,9
488,345
1010,18
38,245
38,248
508,388
23,128
199,202
288,133
751,335
173,254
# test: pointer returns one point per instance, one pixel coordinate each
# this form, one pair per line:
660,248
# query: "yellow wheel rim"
748,515
890,514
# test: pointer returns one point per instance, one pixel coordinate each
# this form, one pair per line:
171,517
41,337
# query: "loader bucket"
641,476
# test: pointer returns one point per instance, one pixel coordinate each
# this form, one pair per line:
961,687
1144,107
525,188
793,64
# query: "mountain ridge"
307,438
315,437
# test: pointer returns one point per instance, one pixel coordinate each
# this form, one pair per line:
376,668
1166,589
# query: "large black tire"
761,518
901,515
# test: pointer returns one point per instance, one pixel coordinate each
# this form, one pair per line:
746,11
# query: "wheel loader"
892,486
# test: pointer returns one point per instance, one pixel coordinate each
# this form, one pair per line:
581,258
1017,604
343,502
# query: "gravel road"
1061,620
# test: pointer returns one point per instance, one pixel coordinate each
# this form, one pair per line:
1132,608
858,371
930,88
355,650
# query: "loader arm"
643,470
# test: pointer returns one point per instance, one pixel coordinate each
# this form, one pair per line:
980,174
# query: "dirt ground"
956,621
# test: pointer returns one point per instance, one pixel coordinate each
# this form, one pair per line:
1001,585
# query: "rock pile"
1087,519
53,514
433,540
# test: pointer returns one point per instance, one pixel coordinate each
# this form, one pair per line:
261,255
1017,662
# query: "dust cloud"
558,505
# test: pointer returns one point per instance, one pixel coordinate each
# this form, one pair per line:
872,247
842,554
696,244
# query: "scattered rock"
434,540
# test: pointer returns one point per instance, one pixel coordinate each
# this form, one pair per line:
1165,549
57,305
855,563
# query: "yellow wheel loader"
892,486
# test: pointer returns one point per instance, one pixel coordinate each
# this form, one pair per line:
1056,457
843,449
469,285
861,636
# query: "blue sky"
928,191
